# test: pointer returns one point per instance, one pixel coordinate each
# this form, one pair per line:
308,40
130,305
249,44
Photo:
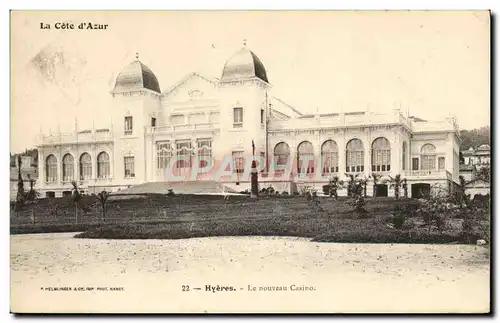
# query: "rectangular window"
204,152
129,167
153,122
237,117
183,154
239,161
128,125
177,119
262,116
428,162
163,155
414,163
441,163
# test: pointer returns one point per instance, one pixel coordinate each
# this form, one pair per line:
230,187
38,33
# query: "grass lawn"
187,216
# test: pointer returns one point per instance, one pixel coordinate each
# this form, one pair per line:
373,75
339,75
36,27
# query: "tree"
350,183
20,185
76,197
483,173
32,195
333,185
376,178
103,198
254,189
475,137
461,158
358,201
405,188
396,183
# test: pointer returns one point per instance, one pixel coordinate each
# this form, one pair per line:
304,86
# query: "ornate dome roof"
244,64
136,76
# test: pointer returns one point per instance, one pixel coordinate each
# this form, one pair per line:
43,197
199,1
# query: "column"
41,168
396,155
76,167
368,152
94,163
368,158
342,154
59,169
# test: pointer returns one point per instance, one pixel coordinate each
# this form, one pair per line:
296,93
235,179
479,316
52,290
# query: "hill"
475,137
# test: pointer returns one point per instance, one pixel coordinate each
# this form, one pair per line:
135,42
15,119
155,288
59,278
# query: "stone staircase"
189,187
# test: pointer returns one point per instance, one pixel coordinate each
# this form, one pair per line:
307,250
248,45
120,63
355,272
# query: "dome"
136,76
244,64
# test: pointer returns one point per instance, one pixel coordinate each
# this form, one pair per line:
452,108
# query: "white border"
494,5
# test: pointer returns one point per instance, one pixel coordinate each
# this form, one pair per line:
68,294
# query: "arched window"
428,157
51,169
305,158
85,167
281,153
355,156
103,170
381,155
330,157
405,154
68,168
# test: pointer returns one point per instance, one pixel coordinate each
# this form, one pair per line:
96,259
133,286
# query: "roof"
244,64
477,183
136,76
464,167
484,147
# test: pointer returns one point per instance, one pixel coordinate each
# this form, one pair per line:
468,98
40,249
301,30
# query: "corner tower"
136,105
244,105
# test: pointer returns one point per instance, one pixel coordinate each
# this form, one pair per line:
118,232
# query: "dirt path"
341,277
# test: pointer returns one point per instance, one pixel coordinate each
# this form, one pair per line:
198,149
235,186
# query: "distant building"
474,160
27,173
479,156
223,117
468,172
477,187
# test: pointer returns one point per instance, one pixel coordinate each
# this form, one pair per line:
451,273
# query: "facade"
235,118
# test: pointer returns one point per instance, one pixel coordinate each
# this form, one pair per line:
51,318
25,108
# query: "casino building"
217,118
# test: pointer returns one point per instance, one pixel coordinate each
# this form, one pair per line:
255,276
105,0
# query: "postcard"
250,162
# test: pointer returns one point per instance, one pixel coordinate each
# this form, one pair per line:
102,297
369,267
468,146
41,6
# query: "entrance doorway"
380,190
420,190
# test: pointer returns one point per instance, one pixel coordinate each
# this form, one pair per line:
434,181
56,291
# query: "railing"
82,137
183,127
427,173
340,120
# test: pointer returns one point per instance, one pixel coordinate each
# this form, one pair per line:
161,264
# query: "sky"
432,64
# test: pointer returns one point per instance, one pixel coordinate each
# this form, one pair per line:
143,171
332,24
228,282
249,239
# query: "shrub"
398,217
170,192
284,193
